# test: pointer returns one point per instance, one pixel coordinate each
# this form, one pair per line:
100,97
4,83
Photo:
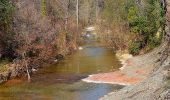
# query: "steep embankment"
155,86
150,88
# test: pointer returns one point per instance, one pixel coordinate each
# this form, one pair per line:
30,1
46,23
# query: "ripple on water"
63,81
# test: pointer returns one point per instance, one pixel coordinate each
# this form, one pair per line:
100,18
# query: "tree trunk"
26,65
28,74
77,13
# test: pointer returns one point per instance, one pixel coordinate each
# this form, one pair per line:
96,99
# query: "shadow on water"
63,81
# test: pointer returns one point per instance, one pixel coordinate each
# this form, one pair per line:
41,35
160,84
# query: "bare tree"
77,13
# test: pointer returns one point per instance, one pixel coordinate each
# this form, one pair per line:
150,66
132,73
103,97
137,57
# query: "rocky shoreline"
133,71
145,77
154,86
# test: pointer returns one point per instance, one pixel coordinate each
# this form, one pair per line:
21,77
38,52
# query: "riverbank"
131,72
54,81
152,88
143,76
17,69
154,85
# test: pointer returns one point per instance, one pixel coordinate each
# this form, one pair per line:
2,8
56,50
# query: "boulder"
59,57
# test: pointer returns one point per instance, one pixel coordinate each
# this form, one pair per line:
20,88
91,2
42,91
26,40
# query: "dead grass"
3,66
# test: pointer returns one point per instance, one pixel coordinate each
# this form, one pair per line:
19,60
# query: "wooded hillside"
35,31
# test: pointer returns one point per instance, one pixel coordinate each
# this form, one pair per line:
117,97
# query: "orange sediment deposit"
129,62
129,74
113,78
13,82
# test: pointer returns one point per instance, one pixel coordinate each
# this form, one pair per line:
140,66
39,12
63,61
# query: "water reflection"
63,81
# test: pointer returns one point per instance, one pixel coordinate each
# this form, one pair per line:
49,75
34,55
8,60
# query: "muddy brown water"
63,81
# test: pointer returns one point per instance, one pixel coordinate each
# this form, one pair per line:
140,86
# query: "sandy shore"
130,72
153,83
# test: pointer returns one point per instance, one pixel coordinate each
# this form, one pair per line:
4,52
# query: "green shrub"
154,42
135,47
4,65
7,34
146,24
43,7
6,10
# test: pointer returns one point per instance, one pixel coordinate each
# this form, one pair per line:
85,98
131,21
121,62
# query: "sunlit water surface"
63,81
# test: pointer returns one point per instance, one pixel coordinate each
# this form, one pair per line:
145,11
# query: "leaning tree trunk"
26,66
165,54
77,13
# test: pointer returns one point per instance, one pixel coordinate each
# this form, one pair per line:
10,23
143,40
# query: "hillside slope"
155,87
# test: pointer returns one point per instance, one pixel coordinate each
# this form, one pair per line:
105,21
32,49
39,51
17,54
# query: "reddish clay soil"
113,78
133,76
129,63
13,82
141,71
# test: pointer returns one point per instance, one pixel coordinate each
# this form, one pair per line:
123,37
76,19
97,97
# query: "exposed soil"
154,84
143,75
133,71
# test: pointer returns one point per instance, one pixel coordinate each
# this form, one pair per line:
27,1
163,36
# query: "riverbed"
62,81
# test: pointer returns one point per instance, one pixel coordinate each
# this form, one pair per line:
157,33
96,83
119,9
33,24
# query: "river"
62,81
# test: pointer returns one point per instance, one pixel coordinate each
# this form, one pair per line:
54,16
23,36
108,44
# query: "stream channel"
62,81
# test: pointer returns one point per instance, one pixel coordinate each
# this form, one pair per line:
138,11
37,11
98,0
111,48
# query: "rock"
80,48
34,70
56,60
159,52
59,57
168,74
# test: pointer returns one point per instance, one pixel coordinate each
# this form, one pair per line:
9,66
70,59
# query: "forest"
39,33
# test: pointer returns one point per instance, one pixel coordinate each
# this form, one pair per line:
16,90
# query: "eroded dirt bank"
145,77
150,72
154,87
133,71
